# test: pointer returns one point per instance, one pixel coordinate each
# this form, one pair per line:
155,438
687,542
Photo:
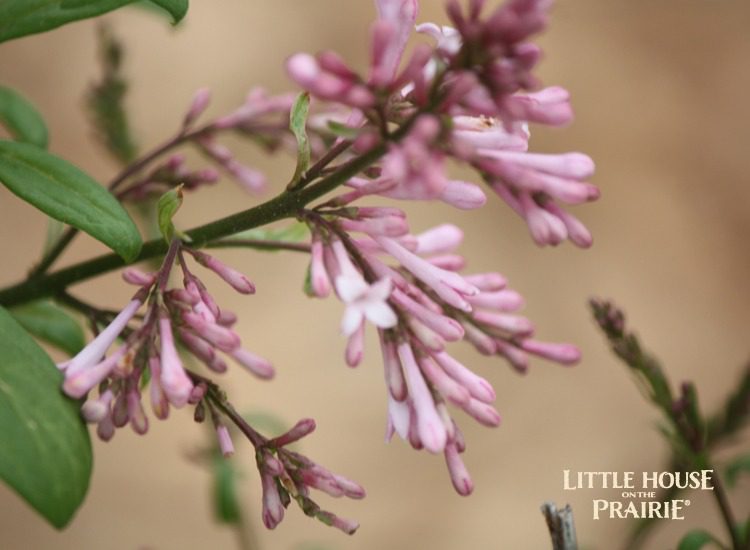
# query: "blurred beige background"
660,88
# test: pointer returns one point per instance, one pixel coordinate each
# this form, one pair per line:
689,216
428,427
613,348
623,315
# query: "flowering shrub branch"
466,95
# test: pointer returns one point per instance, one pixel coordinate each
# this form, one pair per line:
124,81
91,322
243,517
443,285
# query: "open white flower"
364,301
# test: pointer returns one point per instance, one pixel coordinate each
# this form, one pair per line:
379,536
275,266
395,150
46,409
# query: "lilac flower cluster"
148,355
410,288
287,475
262,117
467,97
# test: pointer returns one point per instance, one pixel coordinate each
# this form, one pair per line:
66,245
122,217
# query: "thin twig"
561,526
259,244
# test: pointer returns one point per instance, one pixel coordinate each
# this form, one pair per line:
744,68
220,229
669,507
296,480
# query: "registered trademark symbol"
687,503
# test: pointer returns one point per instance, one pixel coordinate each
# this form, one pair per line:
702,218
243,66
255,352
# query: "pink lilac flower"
173,379
188,316
432,304
287,475
363,301
530,183
328,77
199,104
470,97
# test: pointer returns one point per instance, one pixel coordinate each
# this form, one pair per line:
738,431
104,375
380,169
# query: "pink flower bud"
183,296
577,232
226,318
95,350
425,335
174,380
449,262
197,346
302,428
350,488
273,509
448,328
120,414
197,393
105,430
516,357
430,426
221,337
159,403
451,287
548,106
254,363
484,343
440,239
487,282
503,300
201,99
95,410
231,276
322,480
449,388
137,416
78,382
225,440
134,276
459,475
566,354
394,377
478,387
321,284
355,346
272,465
484,413
389,226
399,419
346,525
217,364
514,324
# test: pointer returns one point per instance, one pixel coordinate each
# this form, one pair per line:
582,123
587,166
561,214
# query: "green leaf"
294,233
297,123
23,17
342,130
45,451
21,118
168,205
51,323
55,229
64,192
697,539
226,504
739,465
176,8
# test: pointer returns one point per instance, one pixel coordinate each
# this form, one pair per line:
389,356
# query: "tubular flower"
186,316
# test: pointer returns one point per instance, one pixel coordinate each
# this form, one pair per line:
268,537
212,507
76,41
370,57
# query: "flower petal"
350,287
353,317
381,315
